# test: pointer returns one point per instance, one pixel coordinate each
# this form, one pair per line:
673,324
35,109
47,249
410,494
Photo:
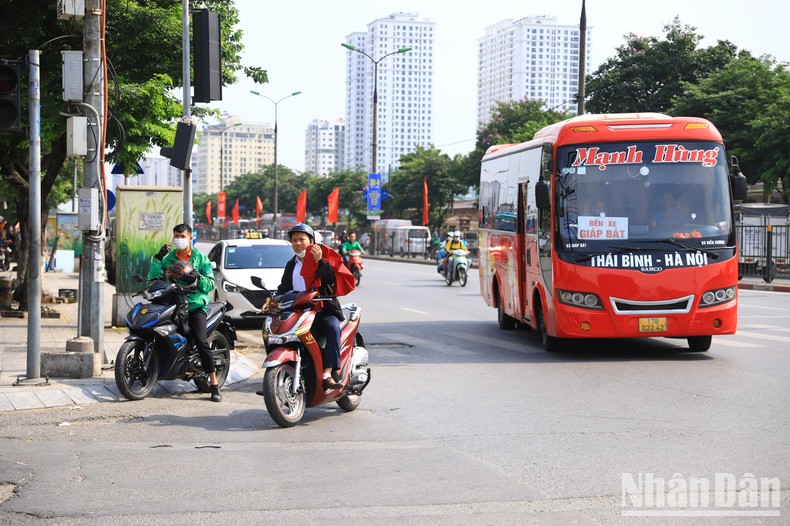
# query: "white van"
412,240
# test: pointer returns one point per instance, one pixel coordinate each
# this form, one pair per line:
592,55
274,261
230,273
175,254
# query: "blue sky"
299,44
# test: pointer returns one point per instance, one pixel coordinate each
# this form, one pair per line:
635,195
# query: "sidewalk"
246,360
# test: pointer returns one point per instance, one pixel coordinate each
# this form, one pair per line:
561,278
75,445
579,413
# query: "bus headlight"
717,296
585,300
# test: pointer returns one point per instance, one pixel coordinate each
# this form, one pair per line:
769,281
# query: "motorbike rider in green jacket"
189,266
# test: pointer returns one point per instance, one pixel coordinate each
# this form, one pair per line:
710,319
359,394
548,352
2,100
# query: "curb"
764,287
93,390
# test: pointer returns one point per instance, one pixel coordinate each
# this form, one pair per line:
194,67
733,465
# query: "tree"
143,47
511,122
647,72
748,101
406,186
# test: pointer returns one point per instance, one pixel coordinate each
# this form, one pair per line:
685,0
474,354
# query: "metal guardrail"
763,251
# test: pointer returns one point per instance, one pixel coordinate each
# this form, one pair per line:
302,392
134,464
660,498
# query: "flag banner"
374,196
208,212
301,207
235,212
424,200
221,210
332,202
258,208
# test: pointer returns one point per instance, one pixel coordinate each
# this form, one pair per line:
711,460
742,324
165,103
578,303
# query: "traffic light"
10,81
207,53
180,153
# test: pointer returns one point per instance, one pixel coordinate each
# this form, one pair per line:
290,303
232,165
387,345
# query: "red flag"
301,206
344,279
332,201
208,212
258,208
235,212
424,200
221,207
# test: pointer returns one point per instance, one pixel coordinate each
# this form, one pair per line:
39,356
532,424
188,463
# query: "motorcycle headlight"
280,339
152,295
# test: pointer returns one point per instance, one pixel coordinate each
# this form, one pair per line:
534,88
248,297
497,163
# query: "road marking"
728,341
413,310
763,336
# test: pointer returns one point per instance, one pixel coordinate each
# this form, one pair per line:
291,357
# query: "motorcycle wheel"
283,406
349,402
462,276
216,341
133,380
448,278
357,275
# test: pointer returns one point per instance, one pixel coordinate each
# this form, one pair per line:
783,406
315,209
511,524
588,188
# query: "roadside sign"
374,197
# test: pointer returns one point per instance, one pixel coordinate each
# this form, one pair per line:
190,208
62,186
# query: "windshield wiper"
670,241
617,249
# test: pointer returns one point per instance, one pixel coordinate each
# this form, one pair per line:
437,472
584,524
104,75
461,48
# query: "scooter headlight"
280,339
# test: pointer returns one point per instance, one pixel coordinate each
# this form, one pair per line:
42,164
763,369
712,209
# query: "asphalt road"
462,424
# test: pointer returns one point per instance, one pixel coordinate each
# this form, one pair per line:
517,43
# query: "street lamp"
375,95
222,155
274,234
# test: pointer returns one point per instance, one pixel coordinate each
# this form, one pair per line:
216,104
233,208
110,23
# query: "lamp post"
274,233
374,153
222,155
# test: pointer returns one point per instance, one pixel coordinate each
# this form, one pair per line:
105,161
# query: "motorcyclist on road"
327,320
189,266
350,244
453,242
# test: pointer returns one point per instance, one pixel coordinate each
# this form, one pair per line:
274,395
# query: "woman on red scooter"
327,320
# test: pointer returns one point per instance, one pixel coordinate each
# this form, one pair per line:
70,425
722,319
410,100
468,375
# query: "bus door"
528,250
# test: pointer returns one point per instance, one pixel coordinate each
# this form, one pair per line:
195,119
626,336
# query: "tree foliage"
510,123
143,50
646,73
748,100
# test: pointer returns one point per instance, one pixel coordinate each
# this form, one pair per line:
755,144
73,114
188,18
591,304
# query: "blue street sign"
110,200
374,196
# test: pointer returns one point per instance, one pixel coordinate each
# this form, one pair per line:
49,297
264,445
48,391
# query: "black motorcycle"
159,348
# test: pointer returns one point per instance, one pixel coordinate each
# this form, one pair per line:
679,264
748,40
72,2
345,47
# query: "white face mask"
181,242
302,254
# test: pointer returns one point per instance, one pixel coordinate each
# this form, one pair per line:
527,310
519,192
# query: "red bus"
612,226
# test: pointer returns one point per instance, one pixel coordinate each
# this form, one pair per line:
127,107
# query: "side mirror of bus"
738,186
542,197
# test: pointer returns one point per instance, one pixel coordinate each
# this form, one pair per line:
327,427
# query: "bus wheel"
699,343
550,343
506,323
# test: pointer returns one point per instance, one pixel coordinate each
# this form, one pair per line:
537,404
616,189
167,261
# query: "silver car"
235,261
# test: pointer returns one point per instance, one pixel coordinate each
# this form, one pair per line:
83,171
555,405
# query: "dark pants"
197,332
329,327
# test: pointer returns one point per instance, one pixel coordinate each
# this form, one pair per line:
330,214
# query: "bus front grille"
670,306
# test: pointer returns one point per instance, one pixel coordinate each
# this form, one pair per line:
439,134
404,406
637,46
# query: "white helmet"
457,234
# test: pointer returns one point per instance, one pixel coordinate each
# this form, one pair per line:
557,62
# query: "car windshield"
257,256
641,192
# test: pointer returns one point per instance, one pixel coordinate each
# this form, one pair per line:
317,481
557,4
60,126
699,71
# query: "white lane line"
728,341
763,336
413,310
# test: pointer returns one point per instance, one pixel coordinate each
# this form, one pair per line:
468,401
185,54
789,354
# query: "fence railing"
763,251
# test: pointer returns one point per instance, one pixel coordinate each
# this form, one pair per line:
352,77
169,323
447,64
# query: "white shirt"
296,279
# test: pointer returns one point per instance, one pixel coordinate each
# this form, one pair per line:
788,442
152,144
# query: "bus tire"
506,323
550,343
699,343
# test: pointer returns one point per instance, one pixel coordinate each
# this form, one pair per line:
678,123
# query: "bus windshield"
640,192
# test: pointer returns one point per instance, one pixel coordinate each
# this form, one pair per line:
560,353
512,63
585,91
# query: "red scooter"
294,365
355,264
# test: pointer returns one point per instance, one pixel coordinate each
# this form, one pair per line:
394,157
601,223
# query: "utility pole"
582,59
187,105
91,304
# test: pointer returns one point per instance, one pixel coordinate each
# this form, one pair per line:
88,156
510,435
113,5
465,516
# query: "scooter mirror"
258,282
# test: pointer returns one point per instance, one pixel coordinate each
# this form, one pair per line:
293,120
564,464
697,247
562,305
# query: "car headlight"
227,286
717,296
586,300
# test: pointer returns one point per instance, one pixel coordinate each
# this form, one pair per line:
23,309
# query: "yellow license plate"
652,325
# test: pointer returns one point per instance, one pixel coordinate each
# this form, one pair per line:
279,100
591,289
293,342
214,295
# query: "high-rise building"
404,87
324,144
531,58
229,149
